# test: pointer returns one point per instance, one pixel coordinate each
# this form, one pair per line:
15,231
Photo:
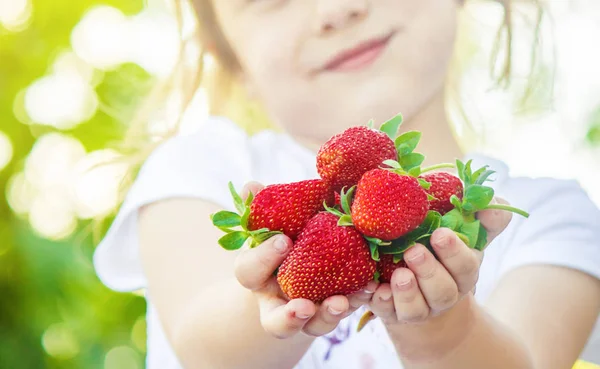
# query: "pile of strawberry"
372,203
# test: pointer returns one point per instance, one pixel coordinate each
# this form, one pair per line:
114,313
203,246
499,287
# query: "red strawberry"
326,260
386,267
348,155
443,186
280,208
288,207
388,205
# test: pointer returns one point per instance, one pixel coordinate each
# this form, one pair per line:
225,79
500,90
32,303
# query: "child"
318,67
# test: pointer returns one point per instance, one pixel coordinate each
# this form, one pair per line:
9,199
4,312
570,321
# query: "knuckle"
427,272
414,316
406,297
446,298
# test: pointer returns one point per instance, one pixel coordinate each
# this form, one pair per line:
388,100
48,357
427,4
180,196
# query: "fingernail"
416,258
281,245
385,296
302,316
404,285
442,242
333,311
368,290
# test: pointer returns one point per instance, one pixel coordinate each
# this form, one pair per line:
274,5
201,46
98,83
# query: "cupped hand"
430,286
281,317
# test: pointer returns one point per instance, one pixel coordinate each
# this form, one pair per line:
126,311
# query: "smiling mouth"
360,56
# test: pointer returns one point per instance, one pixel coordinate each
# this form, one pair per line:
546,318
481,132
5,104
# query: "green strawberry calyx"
408,162
345,220
235,225
421,234
476,197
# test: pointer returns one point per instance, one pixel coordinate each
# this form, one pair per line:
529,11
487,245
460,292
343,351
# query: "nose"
333,15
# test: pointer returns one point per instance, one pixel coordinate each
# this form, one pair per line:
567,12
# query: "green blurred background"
71,74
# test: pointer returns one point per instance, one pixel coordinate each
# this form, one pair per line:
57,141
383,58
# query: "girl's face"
319,66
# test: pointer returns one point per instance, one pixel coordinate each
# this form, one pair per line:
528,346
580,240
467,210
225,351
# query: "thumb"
254,267
253,187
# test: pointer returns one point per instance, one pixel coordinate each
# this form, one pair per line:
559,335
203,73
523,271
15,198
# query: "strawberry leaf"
426,185
390,127
333,210
392,164
234,240
460,167
484,177
398,246
415,172
411,160
407,142
455,201
431,222
376,276
263,236
377,241
452,220
237,200
374,251
346,198
430,197
249,199
370,123
226,219
482,239
397,258
479,196
468,172
245,216
345,221
471,231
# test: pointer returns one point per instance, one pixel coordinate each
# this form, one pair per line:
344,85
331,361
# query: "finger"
495,221
409,302
363,297
436,284
253,267
382,304
253,187
328,315
283,320
459,260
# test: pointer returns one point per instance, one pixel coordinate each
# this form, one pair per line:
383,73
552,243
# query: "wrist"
438,336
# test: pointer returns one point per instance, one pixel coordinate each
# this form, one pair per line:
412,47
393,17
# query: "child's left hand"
428,287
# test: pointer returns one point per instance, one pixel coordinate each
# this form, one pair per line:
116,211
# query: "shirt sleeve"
199,165
563,228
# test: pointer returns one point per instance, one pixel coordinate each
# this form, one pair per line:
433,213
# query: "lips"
358,57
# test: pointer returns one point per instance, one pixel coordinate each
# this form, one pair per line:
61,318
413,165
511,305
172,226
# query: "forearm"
467,338
227,334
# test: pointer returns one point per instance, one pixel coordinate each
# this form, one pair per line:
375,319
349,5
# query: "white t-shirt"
563,229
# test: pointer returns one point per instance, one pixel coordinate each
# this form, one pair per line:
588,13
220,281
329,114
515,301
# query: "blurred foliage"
54,312
593,134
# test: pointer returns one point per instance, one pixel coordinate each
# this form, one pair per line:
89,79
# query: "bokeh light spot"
6,150
52,159
61,100
60,342
101,37
138,334
20,193
51,215
15,14
96,183
122,357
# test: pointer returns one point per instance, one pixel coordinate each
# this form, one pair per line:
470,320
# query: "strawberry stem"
508,208
438,166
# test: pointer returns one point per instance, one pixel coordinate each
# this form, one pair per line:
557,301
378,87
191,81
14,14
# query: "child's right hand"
283,318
